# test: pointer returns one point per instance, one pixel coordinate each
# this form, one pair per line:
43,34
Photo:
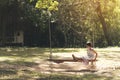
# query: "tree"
90,20
49,5
7,17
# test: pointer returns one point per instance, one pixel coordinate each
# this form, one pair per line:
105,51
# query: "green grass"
17,64
74,77
56,50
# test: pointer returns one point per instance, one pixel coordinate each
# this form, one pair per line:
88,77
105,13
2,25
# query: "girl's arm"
96,54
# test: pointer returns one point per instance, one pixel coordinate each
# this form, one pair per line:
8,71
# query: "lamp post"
50,37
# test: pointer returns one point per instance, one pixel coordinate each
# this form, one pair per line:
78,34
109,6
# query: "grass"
22,63
74,77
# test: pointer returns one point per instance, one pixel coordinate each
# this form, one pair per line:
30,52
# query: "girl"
91,55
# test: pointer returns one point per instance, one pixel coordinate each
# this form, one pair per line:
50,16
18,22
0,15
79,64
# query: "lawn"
22,63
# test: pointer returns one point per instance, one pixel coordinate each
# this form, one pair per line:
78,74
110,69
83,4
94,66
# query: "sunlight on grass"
6,58
31,64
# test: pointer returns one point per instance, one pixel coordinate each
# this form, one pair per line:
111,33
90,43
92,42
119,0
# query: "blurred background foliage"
72,22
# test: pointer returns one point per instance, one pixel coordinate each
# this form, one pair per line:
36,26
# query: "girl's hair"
89,44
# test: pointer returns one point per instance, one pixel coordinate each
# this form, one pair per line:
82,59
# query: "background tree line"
72,22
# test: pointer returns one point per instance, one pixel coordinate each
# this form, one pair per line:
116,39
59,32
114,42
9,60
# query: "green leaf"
47,4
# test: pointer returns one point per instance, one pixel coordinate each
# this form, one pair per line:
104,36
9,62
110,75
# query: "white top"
90,54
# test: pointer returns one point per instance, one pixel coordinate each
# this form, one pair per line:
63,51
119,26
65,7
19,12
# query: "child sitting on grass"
91,55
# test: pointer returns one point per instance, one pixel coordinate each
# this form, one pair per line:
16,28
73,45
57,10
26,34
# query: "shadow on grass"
17,70
23,52
11,74
5,72
20,63
83,70
71,77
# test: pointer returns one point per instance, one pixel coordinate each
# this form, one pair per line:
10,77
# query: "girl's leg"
85,60
77,59
74,58
92,63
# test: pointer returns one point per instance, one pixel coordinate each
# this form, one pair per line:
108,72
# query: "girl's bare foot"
74,58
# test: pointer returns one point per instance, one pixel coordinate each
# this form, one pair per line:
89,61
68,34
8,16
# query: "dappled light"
14,65
59,39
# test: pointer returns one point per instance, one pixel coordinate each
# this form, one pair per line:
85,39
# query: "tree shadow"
74,77
82,70
23,52
5,72
19,63
17,70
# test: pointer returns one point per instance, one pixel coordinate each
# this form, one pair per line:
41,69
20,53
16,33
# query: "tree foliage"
91,20
49,5
73,22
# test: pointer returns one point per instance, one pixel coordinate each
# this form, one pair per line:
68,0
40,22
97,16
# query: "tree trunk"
3,25
104,26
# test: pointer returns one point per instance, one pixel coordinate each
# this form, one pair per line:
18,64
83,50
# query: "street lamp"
50,37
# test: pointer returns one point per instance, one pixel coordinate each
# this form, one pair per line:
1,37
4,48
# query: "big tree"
9,18
94,20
